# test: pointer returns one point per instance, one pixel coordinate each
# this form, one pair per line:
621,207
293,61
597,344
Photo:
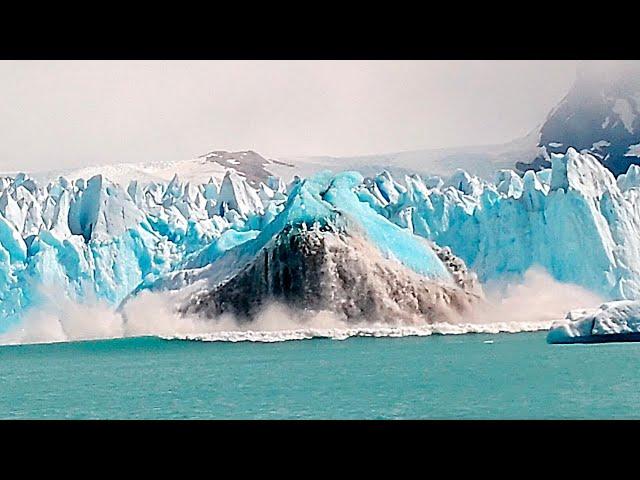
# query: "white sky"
73,113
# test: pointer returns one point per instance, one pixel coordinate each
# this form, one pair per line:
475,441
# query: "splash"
538,297
531,304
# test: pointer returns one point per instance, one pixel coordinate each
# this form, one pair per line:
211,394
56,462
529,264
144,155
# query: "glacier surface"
92,239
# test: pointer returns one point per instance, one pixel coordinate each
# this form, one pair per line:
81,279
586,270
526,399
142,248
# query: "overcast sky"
74,113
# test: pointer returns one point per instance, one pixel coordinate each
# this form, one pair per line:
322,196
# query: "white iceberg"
611,322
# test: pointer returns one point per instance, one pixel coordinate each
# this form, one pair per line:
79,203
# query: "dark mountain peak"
246,163
600,114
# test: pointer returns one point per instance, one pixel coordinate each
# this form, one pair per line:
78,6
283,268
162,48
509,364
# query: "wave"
272,336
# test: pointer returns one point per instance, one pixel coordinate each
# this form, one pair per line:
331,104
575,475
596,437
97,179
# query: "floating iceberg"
611,322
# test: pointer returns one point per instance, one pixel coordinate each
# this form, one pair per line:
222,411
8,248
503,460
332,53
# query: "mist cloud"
531,303
61,114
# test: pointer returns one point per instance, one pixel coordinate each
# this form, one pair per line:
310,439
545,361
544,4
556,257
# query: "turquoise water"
517,376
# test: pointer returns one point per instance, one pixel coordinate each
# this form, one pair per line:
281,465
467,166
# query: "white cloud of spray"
529,304
537,297
60,319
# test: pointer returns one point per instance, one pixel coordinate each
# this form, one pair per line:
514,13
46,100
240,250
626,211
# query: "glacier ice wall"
575,220
93,239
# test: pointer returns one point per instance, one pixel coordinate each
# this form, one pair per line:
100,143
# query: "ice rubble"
96,239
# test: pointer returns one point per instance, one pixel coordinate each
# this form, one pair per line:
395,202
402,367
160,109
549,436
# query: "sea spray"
531,304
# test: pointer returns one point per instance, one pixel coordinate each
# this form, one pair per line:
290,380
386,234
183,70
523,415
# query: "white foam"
365,331
533,304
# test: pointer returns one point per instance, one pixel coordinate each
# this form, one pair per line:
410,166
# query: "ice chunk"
629,180
613,321
581,172
509,183
388,188
461,180
11,211
105,210
239,196
11,241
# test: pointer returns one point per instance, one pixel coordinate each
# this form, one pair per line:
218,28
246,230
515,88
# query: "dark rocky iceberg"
323,268
329,251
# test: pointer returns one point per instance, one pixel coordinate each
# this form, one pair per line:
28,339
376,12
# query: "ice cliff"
575,220
98,240
217,242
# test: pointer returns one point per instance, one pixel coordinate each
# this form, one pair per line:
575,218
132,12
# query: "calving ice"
328,250
393,251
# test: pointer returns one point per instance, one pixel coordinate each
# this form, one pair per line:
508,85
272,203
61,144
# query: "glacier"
575,220
94,239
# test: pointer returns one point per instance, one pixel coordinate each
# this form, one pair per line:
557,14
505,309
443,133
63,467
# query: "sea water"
473,376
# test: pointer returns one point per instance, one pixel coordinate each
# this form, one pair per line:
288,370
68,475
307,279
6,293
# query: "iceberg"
612,322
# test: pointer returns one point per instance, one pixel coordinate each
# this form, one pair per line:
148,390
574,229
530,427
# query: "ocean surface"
473,376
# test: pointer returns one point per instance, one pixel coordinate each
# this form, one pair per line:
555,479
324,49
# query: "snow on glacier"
96,239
